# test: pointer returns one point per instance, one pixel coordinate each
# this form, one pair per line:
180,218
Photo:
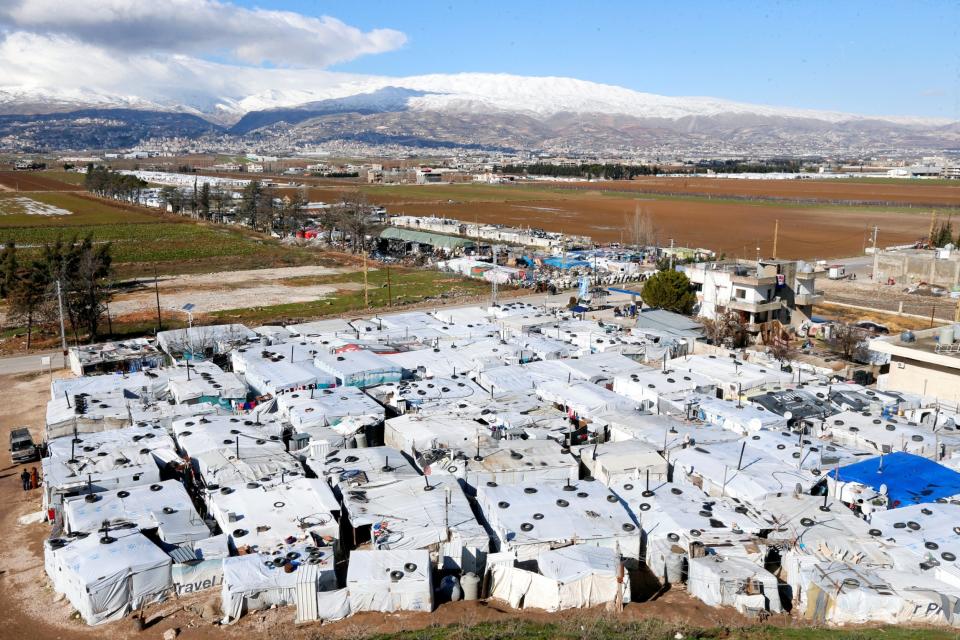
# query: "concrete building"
764,291
926,363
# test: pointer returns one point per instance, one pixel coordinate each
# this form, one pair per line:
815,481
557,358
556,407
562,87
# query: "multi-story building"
761,292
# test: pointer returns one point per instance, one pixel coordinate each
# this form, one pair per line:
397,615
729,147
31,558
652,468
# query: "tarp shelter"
435,240
269,516
429,513
908,479
735,582
531,519
389,581
106,578
364,467
883,433
256,581
221,388
203,341
630,459
162,506
359,368
931,535
572,577
327,407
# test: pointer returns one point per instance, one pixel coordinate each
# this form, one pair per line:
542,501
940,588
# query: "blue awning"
910,479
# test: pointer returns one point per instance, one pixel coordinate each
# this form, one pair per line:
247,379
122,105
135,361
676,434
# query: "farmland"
725,225
33,181
141,239
887,192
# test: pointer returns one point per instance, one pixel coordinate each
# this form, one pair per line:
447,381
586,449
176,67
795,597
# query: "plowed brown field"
916,192
30,181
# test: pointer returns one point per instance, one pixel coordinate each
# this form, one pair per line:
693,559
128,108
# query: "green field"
407,286
592,627
141,238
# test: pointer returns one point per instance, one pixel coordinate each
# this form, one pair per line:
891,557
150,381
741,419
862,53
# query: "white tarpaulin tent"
568,578
358,368
164,506
105,580
733,582
388,581
252,582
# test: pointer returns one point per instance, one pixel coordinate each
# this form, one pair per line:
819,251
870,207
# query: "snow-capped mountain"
530,111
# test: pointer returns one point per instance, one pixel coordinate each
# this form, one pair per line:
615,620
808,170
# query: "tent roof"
910,479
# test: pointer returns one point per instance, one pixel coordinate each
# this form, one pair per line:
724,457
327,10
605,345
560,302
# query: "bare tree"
848,340
727,329
781,348
354,217
642,231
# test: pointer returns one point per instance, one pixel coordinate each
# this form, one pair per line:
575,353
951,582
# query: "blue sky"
863,57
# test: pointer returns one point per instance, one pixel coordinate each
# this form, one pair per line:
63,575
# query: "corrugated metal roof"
425,237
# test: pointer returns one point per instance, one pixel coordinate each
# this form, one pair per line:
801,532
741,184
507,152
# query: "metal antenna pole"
63,333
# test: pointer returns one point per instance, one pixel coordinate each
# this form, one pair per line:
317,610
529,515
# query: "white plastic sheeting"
250,583
569,578
535,518
389,581
613,461
358,368
429,513
326,407
106,581
164,506
724,581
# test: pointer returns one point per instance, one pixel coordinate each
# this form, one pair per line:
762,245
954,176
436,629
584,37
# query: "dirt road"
215,292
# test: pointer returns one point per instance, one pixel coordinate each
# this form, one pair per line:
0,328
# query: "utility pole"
933,221
493,301
876,258
63,333
156,289
366,293
776,234
389,290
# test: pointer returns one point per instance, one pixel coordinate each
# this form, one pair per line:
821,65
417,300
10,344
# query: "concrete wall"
918,377
913,267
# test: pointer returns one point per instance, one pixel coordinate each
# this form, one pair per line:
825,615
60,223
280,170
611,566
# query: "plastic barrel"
361,439
470,584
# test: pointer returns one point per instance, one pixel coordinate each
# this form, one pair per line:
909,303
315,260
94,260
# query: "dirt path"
210,292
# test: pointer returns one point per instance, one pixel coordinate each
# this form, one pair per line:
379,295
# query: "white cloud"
199,28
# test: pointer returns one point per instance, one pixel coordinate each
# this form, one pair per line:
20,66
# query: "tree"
31,299
669,290
848,340
642,232
204,201
8,269
727,329
354,217
781,348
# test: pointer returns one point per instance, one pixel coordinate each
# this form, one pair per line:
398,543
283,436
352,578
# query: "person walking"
34,478
25,480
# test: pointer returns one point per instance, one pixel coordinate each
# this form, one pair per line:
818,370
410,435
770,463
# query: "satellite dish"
788,415
883,489
755,424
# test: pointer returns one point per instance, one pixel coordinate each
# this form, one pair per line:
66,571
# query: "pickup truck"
22,448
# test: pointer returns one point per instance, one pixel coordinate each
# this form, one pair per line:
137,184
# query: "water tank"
956,333
946,335
361,439
907,336
470,585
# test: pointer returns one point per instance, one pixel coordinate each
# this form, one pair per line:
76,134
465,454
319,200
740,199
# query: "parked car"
22,448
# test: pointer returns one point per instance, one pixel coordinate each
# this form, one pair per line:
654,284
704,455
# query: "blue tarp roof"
579,309
570,263
910,479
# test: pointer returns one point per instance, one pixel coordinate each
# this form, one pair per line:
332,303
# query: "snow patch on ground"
20,205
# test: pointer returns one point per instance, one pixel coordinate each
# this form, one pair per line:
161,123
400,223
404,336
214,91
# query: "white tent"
255,581
569,578
429,513
358,368
626,460
734,582
389,581
105,579
164,506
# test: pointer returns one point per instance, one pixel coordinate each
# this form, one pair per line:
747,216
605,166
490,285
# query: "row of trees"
79,268
589,171
111,184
